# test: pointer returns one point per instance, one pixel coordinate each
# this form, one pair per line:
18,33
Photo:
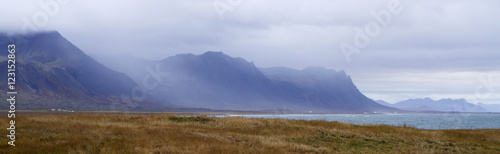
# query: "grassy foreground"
157,133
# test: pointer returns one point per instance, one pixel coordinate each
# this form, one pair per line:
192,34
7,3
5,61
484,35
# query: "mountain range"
217,81
54,73
443,105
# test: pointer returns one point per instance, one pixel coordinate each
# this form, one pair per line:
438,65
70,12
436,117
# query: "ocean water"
421,121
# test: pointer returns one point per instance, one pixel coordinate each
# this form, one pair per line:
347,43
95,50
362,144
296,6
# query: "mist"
444,49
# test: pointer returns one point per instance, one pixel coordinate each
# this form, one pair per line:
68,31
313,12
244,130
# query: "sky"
393,49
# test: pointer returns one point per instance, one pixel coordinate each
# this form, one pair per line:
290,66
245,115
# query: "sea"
421,121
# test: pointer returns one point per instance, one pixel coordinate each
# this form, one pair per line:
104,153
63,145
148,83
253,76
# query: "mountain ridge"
54,73
214,73
51,72
442,105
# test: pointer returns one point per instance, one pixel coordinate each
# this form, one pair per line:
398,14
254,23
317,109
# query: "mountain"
51,72
217,81
326,88
443,105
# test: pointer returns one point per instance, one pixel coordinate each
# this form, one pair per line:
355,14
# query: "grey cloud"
427,36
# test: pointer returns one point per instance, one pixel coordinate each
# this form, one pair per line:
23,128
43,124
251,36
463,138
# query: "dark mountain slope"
53,73
217,81
53,50
327,88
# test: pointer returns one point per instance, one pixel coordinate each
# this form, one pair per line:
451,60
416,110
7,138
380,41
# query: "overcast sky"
427,48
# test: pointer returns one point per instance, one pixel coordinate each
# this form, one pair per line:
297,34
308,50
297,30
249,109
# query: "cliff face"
53,73
217,81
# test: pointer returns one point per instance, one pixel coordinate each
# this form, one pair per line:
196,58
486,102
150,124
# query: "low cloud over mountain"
217,81
53,73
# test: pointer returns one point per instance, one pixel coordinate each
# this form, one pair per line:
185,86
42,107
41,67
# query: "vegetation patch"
167,133
201,119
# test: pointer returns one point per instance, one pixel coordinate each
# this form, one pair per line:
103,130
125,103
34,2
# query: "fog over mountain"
217,81
426,48
53,73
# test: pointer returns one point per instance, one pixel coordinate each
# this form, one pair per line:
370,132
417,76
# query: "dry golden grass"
157,133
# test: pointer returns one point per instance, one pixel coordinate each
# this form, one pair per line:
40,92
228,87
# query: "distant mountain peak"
444,105
210,55
213,53
220,56
31,34
49,33
50,47
428,99
315,68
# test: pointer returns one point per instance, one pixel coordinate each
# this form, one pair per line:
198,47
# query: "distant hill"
443,105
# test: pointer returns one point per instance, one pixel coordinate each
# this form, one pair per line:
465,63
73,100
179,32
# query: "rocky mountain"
217,81
54,73
443,105
51,72
333,90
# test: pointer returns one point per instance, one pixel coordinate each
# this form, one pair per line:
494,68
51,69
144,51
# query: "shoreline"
345,118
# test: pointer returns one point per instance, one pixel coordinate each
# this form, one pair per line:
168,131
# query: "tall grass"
160,133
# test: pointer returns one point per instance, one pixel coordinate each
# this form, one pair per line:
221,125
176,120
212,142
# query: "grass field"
161,133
